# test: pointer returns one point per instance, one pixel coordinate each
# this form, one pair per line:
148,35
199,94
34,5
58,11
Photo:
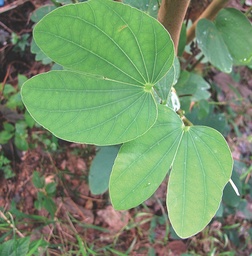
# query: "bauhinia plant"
114,90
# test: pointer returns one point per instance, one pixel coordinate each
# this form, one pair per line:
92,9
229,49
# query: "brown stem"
209,14
171,14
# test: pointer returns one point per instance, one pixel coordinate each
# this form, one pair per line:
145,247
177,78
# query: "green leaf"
149,6
91,110
39,13
8,127
211,43
8,90
103,38
201,169
191,88
5,136
201,166
101,168
50,188
213,119
142,164
21,80
15,247
236,31
49,205
28,119
14,101
230,198
40,56
38,182
21,135
106,98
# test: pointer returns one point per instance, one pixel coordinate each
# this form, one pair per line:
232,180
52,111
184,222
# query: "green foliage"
116,72
21,247
20,42
6,167
36,16
191,87
101,168
16,124
149,6
45,194
15,247
226,41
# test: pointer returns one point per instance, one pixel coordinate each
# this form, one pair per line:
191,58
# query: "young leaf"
201,166
104,97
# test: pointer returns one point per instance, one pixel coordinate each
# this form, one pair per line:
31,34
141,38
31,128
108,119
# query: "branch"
171,14
209,14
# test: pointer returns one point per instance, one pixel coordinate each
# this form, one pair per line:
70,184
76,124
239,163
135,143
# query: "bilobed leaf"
200,162
236,31
104,97
211,43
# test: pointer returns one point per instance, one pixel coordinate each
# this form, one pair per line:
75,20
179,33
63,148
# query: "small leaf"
163,87
211,43
40,56
38,182
50,188
5,136
50,206
101,168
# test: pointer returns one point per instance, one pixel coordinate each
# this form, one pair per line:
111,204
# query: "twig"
12,5
209,14
11,225
5,27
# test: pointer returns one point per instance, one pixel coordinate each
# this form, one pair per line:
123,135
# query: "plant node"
148,87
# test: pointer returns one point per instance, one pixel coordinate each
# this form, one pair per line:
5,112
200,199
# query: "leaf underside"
111,61
212,44
196,156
